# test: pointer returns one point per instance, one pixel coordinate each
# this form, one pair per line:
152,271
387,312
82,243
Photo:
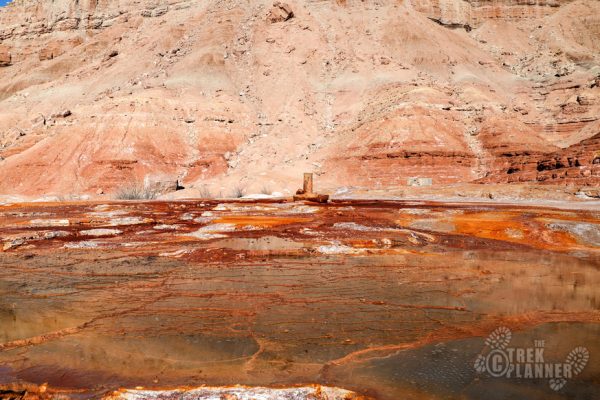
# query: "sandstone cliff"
98,93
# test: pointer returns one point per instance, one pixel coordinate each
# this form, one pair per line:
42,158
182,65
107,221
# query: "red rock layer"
578,164
97,93
476,12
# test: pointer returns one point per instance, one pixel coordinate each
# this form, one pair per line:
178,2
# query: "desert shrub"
238,192
205,192
135,191
266,190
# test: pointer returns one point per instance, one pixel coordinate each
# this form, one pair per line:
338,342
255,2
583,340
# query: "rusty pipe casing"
308,183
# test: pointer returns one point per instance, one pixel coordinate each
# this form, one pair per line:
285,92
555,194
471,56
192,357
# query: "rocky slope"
221,95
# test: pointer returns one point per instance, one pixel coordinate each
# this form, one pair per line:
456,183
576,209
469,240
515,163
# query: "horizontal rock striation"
235,94
578,164
473,13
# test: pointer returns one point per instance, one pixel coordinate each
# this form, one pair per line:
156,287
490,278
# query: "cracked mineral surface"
385,299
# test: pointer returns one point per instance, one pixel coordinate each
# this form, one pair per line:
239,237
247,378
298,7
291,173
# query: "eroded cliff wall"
223,93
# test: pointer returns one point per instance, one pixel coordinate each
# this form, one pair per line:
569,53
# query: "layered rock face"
578,164
97,94
5,57
473,13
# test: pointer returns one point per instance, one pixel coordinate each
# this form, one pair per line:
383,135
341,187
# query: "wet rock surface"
387,299
242,393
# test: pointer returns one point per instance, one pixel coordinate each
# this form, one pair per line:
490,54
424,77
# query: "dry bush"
266,190
238,192
205,192
135,191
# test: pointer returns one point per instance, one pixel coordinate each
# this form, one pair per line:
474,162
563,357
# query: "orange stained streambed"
390,300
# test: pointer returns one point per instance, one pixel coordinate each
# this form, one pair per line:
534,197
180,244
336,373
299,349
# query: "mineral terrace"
388,299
